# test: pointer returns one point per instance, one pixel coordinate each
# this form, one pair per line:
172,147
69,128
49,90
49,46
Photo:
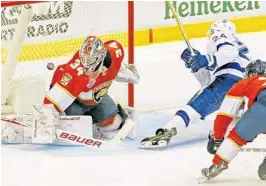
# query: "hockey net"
51,32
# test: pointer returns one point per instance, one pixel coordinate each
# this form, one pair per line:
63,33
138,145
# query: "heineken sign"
199,8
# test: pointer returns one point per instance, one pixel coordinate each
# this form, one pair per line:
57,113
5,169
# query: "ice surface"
172,167
165,84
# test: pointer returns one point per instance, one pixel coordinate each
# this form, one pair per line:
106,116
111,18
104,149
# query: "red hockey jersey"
241,96
70,83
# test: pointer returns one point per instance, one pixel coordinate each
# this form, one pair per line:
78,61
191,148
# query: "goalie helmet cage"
35,33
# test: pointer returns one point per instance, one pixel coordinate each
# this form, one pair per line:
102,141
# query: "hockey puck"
27,6
50,66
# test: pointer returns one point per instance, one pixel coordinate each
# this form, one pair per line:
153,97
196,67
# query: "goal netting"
35,34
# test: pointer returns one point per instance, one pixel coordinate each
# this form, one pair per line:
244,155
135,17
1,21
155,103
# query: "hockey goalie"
79,88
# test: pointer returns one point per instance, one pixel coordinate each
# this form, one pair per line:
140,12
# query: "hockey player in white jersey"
217,72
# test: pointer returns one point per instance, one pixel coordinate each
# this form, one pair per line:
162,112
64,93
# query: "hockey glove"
213,144
128,74
203,61
186,56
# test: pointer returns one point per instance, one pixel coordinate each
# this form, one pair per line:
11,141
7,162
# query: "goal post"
35,33
131,49
10,56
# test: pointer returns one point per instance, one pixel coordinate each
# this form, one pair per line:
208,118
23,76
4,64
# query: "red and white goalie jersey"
240,97
70,82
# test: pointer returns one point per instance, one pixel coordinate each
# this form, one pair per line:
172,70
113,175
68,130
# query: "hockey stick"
253,150
78,139
95,143
181,27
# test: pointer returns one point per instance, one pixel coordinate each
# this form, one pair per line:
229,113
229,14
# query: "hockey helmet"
225,26
92,54
257,67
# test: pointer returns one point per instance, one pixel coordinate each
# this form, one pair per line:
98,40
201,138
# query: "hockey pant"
99,113
253,122
210,99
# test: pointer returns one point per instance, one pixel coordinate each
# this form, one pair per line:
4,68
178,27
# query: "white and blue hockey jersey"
231,58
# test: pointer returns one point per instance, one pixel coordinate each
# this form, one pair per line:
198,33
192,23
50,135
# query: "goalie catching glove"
128,73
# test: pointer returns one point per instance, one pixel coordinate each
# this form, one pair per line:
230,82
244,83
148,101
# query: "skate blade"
203,179
149,145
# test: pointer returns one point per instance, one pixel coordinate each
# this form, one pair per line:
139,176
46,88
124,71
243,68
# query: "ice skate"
161,139
209,173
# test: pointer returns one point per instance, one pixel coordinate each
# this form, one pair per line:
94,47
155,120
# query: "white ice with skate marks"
180,164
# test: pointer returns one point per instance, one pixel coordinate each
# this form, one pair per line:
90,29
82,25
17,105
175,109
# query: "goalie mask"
225,26
255,68
92,54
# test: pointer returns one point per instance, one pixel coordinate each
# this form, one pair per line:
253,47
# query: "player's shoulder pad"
255,82
74,64
115,48
113,44
258,78
220,39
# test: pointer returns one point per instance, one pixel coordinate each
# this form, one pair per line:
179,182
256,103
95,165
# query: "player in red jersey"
248,95
80,87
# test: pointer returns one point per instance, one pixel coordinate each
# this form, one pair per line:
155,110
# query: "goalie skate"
161,139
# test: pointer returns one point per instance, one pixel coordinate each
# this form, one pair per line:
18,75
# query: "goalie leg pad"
45,121
36,127
112,125
12,130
